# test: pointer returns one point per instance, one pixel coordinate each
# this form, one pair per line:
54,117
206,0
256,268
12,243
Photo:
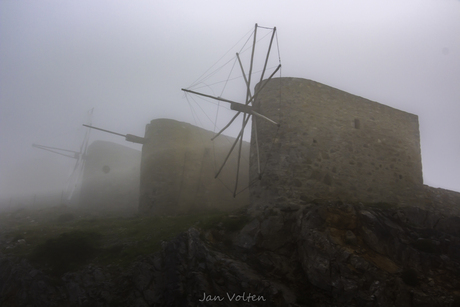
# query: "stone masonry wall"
177,170
333,145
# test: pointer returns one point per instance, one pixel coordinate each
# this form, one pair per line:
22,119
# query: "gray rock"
307,257
350,238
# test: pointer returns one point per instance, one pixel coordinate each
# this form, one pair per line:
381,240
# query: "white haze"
129,59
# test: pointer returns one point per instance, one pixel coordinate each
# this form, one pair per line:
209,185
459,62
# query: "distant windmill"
80,156
111,179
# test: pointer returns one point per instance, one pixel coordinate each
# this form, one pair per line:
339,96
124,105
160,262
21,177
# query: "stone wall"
333,145
178,167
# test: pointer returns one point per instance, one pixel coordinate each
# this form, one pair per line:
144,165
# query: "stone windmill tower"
334,145
177,170
311,141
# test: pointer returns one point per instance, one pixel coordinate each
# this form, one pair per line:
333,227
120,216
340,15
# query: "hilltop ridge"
320,253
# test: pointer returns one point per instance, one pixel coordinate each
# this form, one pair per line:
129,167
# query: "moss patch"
52,242
383,205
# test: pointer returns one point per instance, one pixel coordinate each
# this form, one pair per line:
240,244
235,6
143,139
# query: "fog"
128,61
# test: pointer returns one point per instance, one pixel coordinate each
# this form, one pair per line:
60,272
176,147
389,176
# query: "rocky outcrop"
307,254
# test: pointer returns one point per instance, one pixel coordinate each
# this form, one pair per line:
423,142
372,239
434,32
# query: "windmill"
75,177
259,65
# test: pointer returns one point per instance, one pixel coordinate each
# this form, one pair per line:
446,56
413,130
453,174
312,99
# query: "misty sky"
129,59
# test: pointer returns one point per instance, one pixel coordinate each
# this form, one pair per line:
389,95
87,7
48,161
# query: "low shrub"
67,251
225,222
65,217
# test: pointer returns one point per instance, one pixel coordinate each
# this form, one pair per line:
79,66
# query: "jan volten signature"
232,297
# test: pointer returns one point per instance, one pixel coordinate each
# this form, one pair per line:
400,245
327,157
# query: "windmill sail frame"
246,107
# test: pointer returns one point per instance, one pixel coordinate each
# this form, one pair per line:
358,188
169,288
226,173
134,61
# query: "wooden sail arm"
241,107
245,108
268,54
244,75
240,135
128,137
226,126
58,151
56,148
209,96
231,101
108,131
248,110
265,83
135,139
248,91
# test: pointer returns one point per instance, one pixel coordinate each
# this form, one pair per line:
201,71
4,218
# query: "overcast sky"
129,59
